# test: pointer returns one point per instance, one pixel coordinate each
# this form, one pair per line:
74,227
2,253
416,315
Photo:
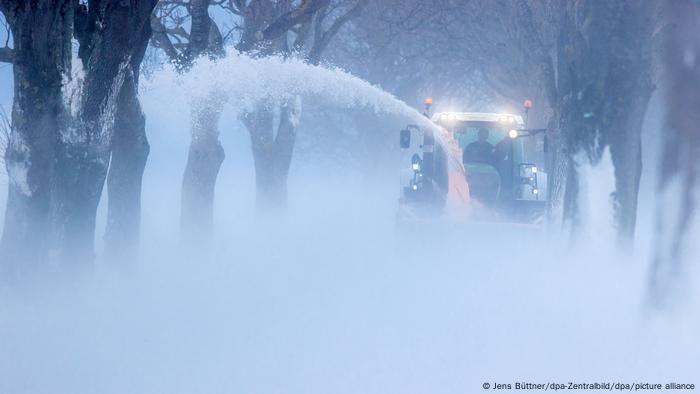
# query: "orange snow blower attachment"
458,195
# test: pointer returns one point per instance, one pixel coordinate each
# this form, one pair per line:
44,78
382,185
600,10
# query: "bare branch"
161,40
297,16
322,41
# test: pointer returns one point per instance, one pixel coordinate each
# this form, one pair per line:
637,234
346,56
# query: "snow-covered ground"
334,301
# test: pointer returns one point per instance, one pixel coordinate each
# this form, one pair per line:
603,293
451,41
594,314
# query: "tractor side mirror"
405,139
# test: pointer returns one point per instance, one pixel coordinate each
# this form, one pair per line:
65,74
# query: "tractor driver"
480,151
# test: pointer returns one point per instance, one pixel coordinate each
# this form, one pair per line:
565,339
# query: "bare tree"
597,85
59,149
112,37
268,27
206,153
129,152
603,88
41,57
679,167
264,27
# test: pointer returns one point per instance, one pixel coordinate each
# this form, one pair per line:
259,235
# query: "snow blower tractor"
500,160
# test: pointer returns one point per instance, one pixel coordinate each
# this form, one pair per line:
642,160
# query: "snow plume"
294,105
595,202
245,81
242,82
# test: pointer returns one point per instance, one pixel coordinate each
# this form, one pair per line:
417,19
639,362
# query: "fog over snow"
332,298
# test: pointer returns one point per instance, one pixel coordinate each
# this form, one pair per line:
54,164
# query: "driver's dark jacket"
478,152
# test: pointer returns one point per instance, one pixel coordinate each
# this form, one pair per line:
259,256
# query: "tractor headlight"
448,117
513,134
416,162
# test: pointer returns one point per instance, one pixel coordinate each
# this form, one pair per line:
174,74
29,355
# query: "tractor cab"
503,163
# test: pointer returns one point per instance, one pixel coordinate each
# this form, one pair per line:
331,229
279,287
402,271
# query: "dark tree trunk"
626,154
272,153
42,56
678,183
272,147
199,181
604,86
629,88
80,173
130,150
205,154
571,215
110,35
557,75
558,167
